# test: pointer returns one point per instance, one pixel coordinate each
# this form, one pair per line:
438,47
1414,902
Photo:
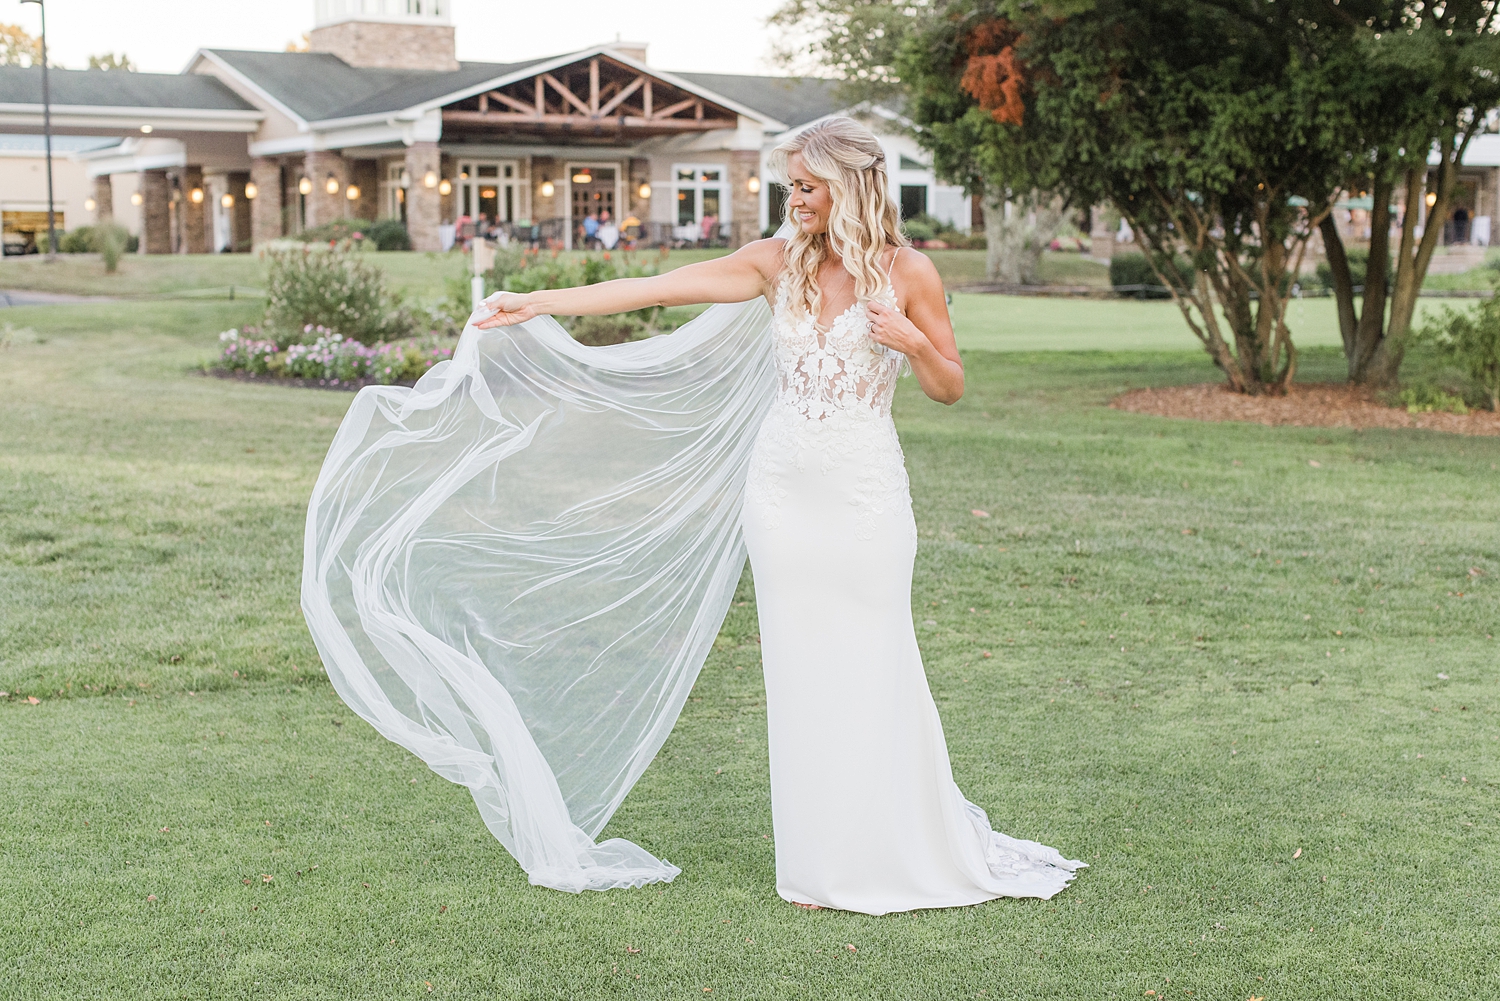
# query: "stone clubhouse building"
379,119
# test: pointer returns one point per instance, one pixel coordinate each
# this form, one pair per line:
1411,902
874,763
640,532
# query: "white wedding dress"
516,569
866,814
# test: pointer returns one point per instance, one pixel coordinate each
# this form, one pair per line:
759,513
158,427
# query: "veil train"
516,569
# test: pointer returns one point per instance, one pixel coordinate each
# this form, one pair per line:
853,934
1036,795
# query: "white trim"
134,155
117,117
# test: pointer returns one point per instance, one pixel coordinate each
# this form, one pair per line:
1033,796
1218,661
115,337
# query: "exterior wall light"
304,186
401,194
251,190
645,191
430,179
445,187
352,192
547,189
196,196
753,185
147,129
89,205
1431,199
135,198
331,185
583,176
226,200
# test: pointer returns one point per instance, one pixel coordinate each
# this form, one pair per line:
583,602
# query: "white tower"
390,34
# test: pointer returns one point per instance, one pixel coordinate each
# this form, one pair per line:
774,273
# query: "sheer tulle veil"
516,569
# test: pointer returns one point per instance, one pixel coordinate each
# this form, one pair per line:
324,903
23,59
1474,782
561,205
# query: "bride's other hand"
508,308
889,326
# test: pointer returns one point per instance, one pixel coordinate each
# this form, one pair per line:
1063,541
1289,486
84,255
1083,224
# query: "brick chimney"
388,34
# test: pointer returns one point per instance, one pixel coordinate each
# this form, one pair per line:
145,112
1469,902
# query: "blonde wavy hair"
862,223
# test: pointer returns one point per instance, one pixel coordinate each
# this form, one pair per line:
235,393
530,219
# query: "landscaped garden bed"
1328,405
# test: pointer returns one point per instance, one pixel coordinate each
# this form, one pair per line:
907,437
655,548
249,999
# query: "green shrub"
917,228
390,234
1132,268
530,271
112,241
355,233
78,241
1424,398
600,330
333,288
1470,338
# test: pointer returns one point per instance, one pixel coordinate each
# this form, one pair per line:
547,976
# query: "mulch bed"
338,385
1317,405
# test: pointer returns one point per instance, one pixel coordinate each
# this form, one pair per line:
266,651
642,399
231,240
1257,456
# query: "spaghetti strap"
891,265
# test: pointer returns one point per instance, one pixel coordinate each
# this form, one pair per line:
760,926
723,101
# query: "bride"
516,569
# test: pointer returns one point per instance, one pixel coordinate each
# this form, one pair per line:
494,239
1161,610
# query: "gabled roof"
317,86
320,87
791,100
117,89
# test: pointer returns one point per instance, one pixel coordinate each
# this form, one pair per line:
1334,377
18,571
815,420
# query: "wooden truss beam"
605,102
575,121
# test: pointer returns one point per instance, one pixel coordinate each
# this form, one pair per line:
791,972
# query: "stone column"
323,206
364,175
156,222
194,216
104,200
543,169
744,207
265,209
423,204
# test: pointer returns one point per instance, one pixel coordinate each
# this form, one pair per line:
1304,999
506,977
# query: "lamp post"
47,131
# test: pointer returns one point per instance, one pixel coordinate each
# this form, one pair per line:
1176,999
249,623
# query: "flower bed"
330,357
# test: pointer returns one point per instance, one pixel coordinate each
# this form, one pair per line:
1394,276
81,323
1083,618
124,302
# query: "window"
913,200
487,190
907,163
700,194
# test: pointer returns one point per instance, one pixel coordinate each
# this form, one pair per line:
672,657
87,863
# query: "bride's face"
810,200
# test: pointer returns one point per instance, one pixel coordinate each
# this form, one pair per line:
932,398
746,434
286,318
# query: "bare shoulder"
914,275
765,255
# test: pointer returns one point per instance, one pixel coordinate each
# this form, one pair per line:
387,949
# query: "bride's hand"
890,327
507,308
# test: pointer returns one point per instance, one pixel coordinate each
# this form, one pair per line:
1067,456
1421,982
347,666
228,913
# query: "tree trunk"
1343,285
1016,238
1380,342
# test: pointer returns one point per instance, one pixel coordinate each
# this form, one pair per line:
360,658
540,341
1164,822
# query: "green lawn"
1036,323
1208,654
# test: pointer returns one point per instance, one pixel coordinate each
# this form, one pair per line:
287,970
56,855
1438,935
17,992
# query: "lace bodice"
837,371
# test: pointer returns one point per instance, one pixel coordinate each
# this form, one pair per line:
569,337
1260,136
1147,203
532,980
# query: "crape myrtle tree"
966,90
1425,76
949,67
1214,126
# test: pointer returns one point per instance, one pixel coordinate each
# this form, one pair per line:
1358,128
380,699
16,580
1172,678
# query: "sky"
160,36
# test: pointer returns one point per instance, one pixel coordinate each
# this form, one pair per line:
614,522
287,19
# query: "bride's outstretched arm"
742,275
